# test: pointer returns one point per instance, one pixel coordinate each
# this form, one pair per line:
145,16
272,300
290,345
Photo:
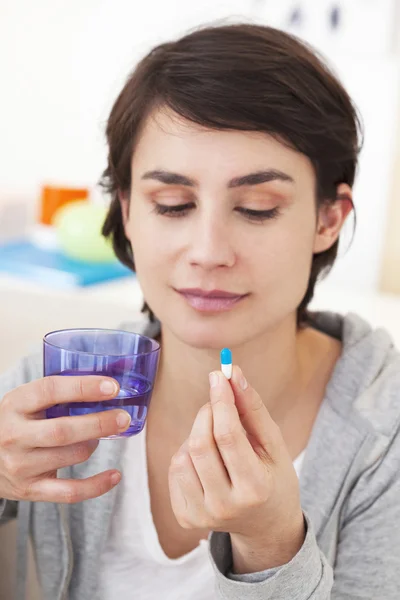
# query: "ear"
331,218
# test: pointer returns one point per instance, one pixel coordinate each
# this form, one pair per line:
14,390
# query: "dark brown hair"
239,77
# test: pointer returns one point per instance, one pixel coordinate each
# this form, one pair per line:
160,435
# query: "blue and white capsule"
226,362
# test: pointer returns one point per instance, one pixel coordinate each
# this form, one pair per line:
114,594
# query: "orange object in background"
53,197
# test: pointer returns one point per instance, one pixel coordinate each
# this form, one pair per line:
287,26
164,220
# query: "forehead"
169,141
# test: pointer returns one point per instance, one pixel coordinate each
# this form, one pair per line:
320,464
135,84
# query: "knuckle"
24,492
184,522
222,512
71,495
48,388
6,401
101,486
13,465
225,438
80,453
80,387
255,498
205,522
8,437
59,433
198,446
104,424
257,403
177,466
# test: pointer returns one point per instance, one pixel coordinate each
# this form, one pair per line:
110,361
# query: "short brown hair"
239,77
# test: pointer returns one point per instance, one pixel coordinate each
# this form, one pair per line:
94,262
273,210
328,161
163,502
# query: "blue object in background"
51,267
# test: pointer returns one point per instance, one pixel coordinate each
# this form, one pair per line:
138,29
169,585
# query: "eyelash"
181,210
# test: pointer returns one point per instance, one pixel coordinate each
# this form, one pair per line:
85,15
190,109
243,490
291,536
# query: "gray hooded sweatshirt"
349,483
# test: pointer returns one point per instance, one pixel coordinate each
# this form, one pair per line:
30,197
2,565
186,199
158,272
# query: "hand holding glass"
129,358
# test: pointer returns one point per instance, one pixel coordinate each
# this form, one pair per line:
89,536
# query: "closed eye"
259,215
180,210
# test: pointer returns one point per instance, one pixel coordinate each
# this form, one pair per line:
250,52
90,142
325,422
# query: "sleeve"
367,561
307,576
27,369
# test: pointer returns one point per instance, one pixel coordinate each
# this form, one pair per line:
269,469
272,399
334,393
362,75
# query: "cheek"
147,268
152,246
282,255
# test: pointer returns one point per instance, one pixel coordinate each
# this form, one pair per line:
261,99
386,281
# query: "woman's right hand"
32,447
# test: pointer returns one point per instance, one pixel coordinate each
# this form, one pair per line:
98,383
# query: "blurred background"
62,63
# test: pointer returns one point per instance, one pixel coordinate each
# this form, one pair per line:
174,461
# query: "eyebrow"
251,179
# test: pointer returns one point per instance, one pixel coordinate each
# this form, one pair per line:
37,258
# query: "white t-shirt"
133,564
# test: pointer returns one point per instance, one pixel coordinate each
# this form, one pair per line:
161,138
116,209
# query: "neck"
275,364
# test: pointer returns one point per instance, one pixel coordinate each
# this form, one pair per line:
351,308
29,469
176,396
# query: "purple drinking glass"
130,358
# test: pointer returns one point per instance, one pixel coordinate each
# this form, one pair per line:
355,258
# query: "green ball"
78,226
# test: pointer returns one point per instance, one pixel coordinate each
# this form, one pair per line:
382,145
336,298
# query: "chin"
210,332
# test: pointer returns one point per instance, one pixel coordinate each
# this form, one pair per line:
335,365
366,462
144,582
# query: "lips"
209,294
211,301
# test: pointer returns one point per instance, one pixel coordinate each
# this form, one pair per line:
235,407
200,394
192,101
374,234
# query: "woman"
232,156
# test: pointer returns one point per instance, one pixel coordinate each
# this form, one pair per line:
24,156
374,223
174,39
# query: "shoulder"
365,383
369,372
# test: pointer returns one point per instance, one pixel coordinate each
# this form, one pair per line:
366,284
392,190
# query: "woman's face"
227,212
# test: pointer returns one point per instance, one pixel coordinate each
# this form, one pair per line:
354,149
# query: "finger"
46,392
186,491
43,460
63,431
261,428
237,453
70,491
206,457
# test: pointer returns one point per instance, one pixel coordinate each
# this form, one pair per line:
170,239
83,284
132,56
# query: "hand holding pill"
234,474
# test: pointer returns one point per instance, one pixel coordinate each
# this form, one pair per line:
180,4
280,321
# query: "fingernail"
242,381
108,387
214,379
123,419
115,477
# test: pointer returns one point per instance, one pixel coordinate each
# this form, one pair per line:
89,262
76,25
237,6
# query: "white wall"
62,62
374,85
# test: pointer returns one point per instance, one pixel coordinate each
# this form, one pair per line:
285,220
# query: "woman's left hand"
234,474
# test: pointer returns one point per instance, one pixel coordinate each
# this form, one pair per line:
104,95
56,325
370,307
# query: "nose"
211,243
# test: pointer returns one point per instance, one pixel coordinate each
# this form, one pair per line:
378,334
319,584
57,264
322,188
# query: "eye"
179,210
259,215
